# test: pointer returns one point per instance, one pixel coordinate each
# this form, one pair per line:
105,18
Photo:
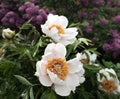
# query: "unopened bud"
1,51
8,33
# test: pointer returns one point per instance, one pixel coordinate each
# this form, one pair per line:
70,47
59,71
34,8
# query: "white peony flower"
56,28
109,81
54,70
87,58
8,33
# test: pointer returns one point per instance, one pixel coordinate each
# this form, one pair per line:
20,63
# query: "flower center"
108,86
59,28
85,61
59,67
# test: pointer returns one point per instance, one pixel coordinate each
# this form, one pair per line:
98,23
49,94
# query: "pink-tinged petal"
41,67
45,80
44,29
62,90
54,78
66,42
55,19
72,81
52,19
38,64
58,50
63,21
74,65
81,72
49,48
71,31
48,56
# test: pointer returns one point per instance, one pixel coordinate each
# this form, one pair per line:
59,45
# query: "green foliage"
18,62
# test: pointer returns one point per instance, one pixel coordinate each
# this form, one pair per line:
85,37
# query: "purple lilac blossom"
88,29
97,2
15,14
112,46
104,21
116,19
30,11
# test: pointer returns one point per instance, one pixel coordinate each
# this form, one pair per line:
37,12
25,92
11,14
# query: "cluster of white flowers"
53,69
64,76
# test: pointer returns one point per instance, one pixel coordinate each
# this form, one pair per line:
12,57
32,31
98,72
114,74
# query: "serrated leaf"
23,80
48,95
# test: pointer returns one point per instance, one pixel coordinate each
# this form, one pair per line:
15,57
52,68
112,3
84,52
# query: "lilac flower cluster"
112,46
102,17
15,15
98,10
30,11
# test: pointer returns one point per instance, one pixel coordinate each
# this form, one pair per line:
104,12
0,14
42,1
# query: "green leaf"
100,95
118,65
31,93
92,67
49,94
69,49
85,41
23,80
108,64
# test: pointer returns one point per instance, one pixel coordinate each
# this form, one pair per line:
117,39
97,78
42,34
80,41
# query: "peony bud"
1,51
8,33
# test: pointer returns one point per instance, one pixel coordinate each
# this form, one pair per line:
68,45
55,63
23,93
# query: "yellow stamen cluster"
59,67
108,86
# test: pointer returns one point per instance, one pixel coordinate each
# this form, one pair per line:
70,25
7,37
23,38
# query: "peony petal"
72,81
66,42
93,57
45,80
118,88
63,21
52,19
49,48
82,79
54,78
48,56
58,50
40,68
71,32
74,65
62,90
